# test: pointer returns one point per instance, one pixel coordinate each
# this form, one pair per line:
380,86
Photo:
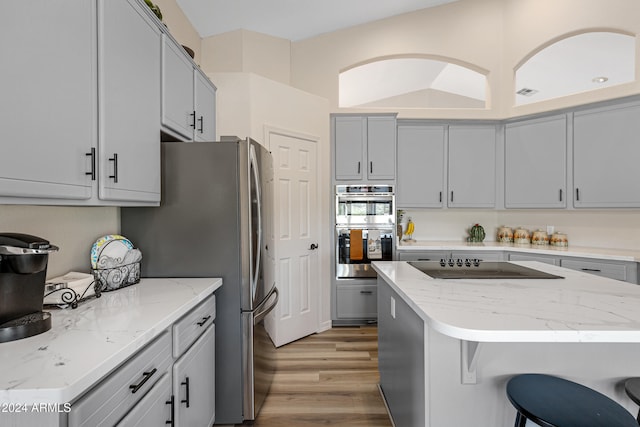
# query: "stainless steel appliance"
211,223
23,270
365,218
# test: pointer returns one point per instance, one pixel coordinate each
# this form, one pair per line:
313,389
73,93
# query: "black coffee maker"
23,270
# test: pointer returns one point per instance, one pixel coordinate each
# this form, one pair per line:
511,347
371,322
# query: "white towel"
79,282
374,245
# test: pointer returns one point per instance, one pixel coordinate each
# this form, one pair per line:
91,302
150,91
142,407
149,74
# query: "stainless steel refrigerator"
213,222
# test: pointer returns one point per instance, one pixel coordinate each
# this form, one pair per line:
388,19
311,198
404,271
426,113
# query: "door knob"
313,246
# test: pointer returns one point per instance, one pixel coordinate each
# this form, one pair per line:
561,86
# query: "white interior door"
295,236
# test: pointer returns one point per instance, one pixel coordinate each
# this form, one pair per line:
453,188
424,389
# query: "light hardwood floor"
324,379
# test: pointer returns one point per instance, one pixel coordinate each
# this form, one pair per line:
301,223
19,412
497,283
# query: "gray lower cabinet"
547,259
356,302
169,382
114,397
154,409
423,255
481,255
619,270
401,358
193,383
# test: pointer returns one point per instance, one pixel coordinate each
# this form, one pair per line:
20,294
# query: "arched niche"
412,82
576,63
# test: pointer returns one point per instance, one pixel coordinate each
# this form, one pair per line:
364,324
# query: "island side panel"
401,358
601,366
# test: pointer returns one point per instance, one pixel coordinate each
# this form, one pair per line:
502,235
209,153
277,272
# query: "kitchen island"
447,347
54,369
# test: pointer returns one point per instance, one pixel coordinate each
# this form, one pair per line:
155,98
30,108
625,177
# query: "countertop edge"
572,251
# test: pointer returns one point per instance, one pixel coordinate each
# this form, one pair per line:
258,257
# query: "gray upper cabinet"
421,160
536,163
48,99
205,107
83,94
365,148
188,97
129,102
472,166
605,157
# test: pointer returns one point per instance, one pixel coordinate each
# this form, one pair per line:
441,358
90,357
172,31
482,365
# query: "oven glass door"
356,248
364,210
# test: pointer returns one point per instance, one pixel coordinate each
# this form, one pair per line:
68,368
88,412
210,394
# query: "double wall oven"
365,224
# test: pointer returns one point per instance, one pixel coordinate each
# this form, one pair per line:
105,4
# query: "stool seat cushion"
554,402
632,388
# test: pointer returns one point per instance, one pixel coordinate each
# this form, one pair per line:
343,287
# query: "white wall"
72,229
491,36
616,229
251,105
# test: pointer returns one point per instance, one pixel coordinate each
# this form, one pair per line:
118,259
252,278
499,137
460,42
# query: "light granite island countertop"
447,347
87,343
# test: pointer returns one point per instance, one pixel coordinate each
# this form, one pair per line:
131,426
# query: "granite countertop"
87,343
579,308
575,251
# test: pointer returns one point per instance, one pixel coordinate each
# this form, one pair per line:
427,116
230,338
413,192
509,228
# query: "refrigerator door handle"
261,314
256,182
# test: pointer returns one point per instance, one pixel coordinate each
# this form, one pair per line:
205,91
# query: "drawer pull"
366,292
595,270
135,387
173,411
186,384
204,320
424,259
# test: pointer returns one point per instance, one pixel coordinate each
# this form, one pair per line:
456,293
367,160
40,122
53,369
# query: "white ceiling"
292,19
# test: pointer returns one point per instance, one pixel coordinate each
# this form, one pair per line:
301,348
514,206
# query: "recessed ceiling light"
599,79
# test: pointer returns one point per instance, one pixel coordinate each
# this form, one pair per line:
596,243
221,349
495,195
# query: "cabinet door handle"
186,384
204,320
145,377
173,411
561,194
441,197
593,270
371,167
93,164
366,292
358,167
114,159
577,194
451,196
201,128
424,259
193,119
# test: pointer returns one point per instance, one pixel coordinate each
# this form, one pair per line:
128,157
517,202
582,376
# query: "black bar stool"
550,401
632,388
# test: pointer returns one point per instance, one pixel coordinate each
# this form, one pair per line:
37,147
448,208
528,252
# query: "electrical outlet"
550,229
393,307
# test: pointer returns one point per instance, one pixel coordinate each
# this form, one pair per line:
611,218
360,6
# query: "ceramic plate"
107,248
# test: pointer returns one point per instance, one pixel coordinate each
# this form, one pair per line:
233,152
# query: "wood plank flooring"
324,379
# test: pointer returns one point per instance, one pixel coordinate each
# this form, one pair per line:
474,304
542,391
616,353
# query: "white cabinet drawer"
481,255
154,409
187,330
108,402
600,268
548,259
423,256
